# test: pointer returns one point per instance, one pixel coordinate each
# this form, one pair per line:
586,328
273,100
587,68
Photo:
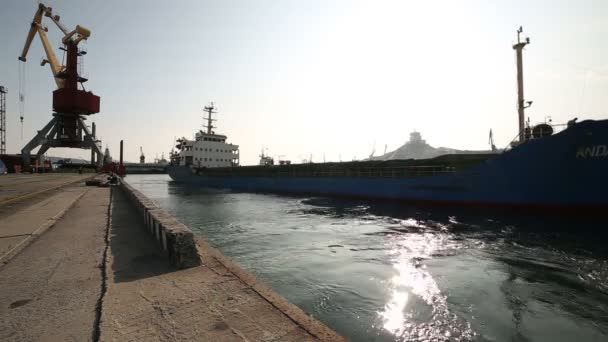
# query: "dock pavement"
20,187
88,271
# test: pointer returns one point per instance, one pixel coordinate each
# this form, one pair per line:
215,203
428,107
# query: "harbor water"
391,272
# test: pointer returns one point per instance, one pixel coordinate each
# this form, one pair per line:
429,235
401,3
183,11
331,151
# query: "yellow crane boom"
78,34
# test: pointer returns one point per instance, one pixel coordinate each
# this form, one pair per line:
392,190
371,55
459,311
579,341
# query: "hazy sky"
315,76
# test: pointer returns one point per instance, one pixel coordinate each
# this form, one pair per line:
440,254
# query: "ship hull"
564,171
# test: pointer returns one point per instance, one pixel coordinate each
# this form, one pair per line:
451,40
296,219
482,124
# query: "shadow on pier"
135,252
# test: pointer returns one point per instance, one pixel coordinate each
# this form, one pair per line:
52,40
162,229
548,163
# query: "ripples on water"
387,272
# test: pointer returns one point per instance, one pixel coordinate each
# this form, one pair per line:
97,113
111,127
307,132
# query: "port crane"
70,102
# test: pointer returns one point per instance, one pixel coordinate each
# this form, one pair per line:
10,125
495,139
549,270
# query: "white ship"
208,149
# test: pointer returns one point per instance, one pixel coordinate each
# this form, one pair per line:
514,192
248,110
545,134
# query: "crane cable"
21,94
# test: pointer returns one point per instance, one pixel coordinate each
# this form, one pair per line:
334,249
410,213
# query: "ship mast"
210,110
522,104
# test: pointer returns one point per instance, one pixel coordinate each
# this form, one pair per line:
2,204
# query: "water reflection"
427,316
535,277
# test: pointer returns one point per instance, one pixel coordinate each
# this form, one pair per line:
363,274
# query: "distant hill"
417,148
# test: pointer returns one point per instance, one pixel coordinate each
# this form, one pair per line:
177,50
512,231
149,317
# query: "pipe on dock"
92,149
121,144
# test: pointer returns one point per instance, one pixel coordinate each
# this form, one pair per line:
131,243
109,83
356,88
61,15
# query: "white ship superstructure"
207,149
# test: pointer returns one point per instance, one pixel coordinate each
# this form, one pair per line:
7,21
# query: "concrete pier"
87,267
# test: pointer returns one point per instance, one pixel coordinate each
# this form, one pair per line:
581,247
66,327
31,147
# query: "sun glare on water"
414,291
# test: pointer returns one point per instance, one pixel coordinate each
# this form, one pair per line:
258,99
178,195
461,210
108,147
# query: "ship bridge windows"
215,140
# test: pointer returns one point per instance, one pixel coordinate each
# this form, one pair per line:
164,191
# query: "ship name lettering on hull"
596,151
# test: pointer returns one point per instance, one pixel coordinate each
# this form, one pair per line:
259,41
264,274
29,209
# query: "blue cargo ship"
561,171
564,170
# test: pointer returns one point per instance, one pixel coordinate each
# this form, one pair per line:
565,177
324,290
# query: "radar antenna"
210,110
